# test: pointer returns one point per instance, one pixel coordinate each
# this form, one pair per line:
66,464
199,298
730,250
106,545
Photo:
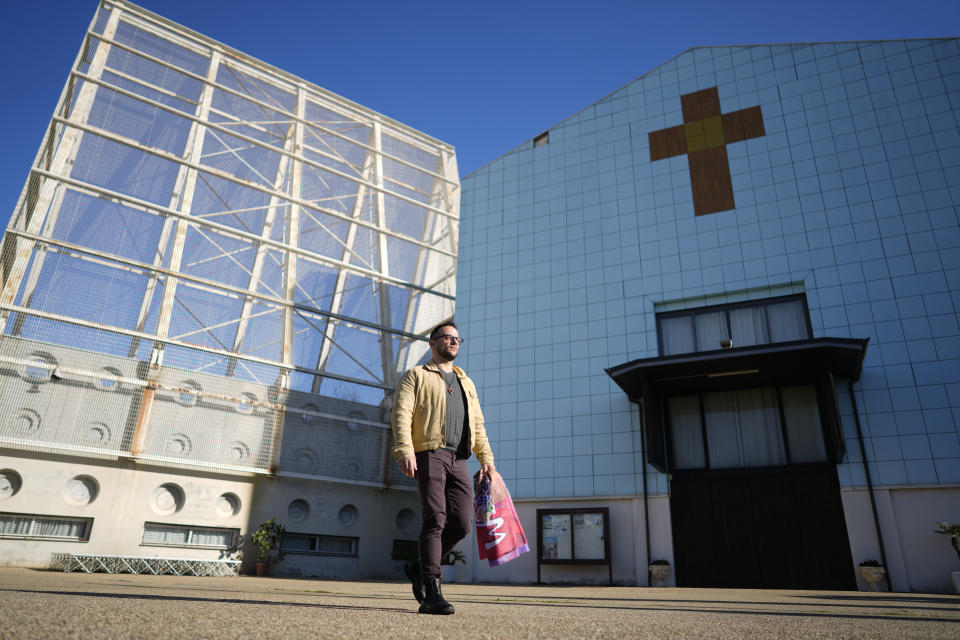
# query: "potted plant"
660,570
872,573
267,539
448,564
952,530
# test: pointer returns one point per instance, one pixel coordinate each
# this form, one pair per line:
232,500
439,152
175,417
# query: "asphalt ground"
39,604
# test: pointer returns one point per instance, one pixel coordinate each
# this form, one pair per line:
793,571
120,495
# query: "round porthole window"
167,499
238,452
352,418
109,379
97,434
81,490
308,413
352,469
405,519
39,367
304,460
247,403
228,505
298,510
24,423
177,445
188,393
10,483
348,515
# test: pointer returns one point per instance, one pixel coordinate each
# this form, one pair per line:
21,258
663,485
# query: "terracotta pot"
261,569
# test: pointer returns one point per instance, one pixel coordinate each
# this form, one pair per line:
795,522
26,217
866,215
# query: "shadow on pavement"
139,596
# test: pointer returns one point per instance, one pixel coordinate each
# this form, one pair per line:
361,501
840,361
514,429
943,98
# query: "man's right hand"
408,466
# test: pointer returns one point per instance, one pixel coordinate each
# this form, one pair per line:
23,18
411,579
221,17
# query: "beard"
446,352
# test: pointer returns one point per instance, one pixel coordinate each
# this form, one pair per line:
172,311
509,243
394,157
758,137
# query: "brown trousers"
446,501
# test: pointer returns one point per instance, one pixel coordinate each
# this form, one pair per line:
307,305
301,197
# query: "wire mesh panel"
224,236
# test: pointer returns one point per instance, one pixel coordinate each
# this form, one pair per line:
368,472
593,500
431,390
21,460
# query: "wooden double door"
761,528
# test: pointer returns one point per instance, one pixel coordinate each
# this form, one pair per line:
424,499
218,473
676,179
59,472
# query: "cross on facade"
704,136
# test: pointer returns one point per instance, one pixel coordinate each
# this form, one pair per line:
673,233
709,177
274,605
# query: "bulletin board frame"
558,542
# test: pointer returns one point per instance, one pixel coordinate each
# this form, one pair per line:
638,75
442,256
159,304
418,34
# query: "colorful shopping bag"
500,537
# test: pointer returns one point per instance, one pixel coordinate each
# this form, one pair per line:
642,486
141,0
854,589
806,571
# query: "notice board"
574,537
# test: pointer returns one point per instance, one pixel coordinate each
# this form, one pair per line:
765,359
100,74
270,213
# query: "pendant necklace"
443,375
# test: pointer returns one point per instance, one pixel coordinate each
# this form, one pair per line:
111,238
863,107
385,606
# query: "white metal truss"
68,562
235,230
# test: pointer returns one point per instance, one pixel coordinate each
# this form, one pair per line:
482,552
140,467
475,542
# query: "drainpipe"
866,471
646,508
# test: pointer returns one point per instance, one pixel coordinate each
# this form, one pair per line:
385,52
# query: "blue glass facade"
850,196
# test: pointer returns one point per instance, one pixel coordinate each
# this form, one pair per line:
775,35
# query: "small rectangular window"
741,324
178,535
307,543
33,527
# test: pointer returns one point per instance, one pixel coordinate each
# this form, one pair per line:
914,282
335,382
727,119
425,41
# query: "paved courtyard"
44,604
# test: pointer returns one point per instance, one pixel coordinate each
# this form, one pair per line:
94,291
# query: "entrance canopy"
842,356
817,361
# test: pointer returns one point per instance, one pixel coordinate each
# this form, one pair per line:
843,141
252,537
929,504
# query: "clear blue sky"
483,76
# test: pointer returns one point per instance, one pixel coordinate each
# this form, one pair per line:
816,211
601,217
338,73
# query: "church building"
721,303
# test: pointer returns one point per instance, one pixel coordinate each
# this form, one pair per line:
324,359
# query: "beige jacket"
419,413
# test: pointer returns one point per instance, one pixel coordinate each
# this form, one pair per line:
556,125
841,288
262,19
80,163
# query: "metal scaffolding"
221,242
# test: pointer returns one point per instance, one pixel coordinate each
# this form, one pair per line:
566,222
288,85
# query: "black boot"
434,603
412,569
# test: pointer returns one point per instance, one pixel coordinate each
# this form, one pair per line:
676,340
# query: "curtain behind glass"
212,537
711,329
787,321
686,429
748,326
15,525
159,534
743,429
336,546
40,527
294,542
760,434
677,335
804,431
720,411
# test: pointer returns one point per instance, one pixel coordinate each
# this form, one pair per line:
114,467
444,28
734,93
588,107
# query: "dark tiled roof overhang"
843,357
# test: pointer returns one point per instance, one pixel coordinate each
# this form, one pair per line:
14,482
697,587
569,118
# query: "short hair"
436,329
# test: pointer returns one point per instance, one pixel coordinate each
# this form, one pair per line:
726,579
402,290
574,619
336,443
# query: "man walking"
437,422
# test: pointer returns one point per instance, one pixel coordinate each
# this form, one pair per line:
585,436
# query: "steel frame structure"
86,563
195,209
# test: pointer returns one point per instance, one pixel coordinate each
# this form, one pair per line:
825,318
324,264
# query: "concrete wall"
917,559
369,514
127,496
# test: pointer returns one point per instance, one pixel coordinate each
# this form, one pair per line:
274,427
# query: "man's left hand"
488,469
